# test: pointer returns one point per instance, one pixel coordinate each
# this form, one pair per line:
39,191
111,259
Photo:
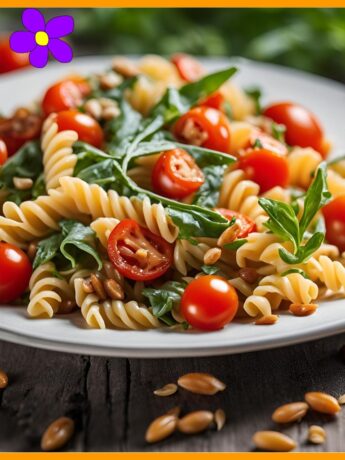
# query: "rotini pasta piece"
103,226
336,183
278,194
47,292
330,272
58,157
241,286
241,132
242,106
338,167
251,252
141,175
145,94
302,163
160,69
275,288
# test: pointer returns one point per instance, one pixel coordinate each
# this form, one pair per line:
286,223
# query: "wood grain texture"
112,400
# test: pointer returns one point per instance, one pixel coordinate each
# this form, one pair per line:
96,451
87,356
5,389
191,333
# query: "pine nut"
57,434
341,400
32,249
316,434
322,402
212,256
108,113
22,183
167,390
273,441
195,422
87,286
3,379
98,286
67,306
174,411
93,108
109,80
291,412
113,289
161,428
249,275
220,419
200,383
302,309
229,235
124,67
267,320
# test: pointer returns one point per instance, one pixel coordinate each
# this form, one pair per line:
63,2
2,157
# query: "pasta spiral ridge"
330,272
302,163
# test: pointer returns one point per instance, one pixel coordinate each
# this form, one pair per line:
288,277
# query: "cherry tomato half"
260,139
302,127
137,253
9,60
266,168
15,272
334,213
88,129
176,175
63,95
247,225
81,82
188,67
206,127
3,152
215,100
209,303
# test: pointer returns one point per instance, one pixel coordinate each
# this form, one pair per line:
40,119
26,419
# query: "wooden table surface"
112,401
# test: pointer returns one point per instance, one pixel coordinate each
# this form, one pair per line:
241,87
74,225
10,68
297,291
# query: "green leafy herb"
295,270
235,244
278,131
208,194
47,249
255,93
258,144
210,269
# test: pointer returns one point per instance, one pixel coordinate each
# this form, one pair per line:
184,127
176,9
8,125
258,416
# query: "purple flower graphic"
41,37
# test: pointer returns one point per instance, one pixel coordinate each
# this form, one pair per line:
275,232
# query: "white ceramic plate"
324,97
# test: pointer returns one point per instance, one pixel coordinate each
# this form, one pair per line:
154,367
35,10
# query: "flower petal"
61,51
33,20
60,26
22,41
39,56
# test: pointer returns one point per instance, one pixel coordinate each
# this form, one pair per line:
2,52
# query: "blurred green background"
308,39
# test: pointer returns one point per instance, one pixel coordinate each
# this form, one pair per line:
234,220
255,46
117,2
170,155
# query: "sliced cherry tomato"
9,60
63,95
137,253
88,129
215,100
206,127
246,224
266,168
334,213
188,67
209,303
15,272
81,82
262,140
176,174
22,127
3,152
302,127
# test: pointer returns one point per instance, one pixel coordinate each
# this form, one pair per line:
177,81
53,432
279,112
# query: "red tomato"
266,168
88,129
334,213
302,127
267,142
3,152
176,174
247,225
15,272
189,68
137,253
63,95
209,303
9,60
81,82
205,127
215,100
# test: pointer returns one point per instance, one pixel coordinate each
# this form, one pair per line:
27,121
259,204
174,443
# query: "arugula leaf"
210,269
125,126
303,253
47,249
208,194
206,157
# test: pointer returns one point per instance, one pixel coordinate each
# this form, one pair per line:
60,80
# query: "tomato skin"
9,60
210,122
302,127
268,142
209,303
63,95
3,152
15,272
334,213
128,230
170,181
215,101
247,224
88,129
266,168
188,67
81,82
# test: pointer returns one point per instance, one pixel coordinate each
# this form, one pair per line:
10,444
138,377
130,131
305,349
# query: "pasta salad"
155,195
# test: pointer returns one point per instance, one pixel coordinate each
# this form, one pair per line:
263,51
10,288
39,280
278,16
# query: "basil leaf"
304,252
208,194
163,299
207,157
296,270
87,155
47,249
210,269
235,244
125,126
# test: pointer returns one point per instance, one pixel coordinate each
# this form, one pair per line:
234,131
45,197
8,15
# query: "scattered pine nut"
22,183
212,256
341,400
3,379
316,434
57,434
229,235
174,411
220,419
161,428
195,422
291,412
267,320
322,402
98,286
201,383
273,441
302,309
167,390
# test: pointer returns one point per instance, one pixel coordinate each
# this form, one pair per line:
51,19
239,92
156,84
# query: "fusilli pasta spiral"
302,162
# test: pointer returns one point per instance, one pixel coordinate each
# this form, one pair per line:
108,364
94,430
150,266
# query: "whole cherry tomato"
188,67
206,127
209,303
266,168
9,60
137,253
63,95
176,175
3,152
88,129
302,127
334,213
215,100
15,272
247,225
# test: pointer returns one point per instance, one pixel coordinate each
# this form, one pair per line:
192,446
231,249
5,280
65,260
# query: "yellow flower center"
42,38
